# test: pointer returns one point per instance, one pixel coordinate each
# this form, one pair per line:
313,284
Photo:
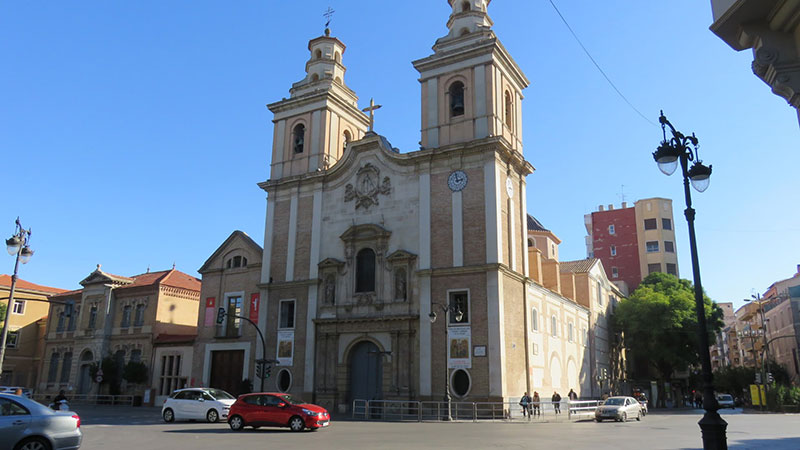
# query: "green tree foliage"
112,374
2,311
734,380
659,323
135,372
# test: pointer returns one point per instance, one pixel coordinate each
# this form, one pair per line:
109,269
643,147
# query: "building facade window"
613,250
92,317
365,270
509,110
653,268
126,316
553,326
672,269
456,93
669,246
52,371
666,224
236,261
459,301
286,319
170,379
652,246
231,326
66,367
284,380
534,320
611,229
12,339
460,383
614,272
71,320
60,326
19,307
136,355
571,332
650,224
138,319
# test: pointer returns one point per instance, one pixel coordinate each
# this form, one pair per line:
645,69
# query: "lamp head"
25,255
700,175
459,315
666,156
13,244
432,316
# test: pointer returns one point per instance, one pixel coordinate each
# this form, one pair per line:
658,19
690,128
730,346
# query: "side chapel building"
364,245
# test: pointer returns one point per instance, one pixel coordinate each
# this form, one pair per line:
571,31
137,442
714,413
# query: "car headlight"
308,412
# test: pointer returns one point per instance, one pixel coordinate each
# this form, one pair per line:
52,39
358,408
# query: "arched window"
365,270
534,320
530,242
314,77
346,139
318,54
464,32
456,92
509,110
298,138
553,326
337,57
465,6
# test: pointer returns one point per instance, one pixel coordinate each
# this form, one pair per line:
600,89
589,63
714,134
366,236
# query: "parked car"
13,389
619,408
197,404
726,401
278,410
28,425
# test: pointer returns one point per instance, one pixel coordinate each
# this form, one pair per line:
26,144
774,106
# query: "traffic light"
258,369
267,370
758,378
220,316
770,378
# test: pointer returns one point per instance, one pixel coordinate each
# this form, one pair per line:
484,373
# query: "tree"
135,372
659,324
3,307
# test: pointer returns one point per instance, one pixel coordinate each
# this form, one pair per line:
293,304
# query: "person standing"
525,402
556,399
535,403
572,396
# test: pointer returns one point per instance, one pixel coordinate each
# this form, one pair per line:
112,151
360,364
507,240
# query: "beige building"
119,317
387,274
26,329
772,29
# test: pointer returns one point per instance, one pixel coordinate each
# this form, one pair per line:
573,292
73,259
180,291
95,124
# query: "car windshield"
220,394
614,401
725,397
292,400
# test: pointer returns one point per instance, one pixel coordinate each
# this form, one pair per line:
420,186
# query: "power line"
598,65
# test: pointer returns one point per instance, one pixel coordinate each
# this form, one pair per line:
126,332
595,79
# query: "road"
123,428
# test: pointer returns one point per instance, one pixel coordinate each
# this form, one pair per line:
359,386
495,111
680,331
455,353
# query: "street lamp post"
458,315
682,148
17,246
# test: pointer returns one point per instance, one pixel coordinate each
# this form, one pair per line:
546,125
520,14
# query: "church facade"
389,275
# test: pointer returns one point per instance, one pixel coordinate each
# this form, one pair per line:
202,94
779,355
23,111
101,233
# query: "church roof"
579,266
535,225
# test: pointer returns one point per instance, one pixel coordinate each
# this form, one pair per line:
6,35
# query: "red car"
277,410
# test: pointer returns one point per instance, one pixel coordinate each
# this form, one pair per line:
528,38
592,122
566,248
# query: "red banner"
211,314
255,300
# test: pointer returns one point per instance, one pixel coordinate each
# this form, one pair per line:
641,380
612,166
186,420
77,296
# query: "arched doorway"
84,377
366,372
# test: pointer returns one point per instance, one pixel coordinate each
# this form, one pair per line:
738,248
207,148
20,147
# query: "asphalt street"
123,428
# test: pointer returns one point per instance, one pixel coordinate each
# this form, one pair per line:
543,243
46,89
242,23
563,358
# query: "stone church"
387,274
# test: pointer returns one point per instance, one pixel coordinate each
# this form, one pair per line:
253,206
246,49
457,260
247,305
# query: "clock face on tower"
457,180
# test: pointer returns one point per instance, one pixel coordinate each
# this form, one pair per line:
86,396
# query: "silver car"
27,425
619,408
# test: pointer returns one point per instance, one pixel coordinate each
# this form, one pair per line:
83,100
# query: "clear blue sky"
133,133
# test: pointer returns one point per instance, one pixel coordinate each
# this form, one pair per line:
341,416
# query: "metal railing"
93,399
430,411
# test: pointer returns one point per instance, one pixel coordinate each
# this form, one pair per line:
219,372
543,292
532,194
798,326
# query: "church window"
456,92
314,77
286,319
464,31
459,301
346,137
318,54
460,382
284,380
614,272
509,110
236,261
534,320
337,57
298,138
530,242
365,270
465,6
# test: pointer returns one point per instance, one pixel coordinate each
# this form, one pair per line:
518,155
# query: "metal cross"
328,15
371,111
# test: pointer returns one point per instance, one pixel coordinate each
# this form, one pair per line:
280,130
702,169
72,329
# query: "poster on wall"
211,315
458,348
285,347
255,299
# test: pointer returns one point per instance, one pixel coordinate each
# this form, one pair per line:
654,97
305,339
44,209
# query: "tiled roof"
579,266
173,278
68,293
5,280
535,225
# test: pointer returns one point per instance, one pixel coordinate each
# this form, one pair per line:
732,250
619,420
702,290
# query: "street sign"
99,378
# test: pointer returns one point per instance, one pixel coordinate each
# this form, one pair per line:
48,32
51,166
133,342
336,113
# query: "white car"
620,409
726,401
197,404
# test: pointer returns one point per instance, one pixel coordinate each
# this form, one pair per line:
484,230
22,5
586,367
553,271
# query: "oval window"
284,380
460,383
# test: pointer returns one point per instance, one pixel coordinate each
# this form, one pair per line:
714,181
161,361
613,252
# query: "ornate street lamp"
17,245
458,315
682,149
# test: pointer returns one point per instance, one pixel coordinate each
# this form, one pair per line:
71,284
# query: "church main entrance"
366,372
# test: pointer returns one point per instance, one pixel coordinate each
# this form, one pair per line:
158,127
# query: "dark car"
276,410
27,425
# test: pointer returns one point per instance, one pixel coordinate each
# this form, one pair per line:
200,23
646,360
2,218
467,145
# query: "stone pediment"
330,263
366,232
100,277
401,256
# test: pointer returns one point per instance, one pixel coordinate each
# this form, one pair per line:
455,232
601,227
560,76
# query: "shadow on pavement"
777,444
232,433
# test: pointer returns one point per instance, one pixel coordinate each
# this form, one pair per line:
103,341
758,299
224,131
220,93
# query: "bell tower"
471,86
321,116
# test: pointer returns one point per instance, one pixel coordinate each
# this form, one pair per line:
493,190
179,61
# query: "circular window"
284,380
460,383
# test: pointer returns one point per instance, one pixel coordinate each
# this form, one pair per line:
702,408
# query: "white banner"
458,348
285,347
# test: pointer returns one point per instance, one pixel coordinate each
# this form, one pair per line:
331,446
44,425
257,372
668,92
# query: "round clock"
457,180
509,187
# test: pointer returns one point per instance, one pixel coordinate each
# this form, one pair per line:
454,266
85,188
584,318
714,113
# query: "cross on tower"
328,15
371,111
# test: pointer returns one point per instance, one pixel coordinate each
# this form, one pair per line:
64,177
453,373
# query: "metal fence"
93,399
417,411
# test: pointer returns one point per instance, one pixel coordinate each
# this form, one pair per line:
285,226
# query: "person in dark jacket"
535,401
556,399
525,402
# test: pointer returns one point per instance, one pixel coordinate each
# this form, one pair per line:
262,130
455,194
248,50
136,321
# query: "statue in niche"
330,289
400,284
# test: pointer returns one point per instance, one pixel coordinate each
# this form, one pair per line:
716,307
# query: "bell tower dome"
321,116
471,86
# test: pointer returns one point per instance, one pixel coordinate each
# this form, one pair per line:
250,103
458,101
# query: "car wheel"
598,420
236,423
296,423
212,416
169,416
33,444
639,416
623,418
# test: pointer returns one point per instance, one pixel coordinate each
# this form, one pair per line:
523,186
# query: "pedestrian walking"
525,402
572,396
556,399
535,401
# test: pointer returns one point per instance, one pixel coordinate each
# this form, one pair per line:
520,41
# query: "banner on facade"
458,348
285,347
211,315
255,300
